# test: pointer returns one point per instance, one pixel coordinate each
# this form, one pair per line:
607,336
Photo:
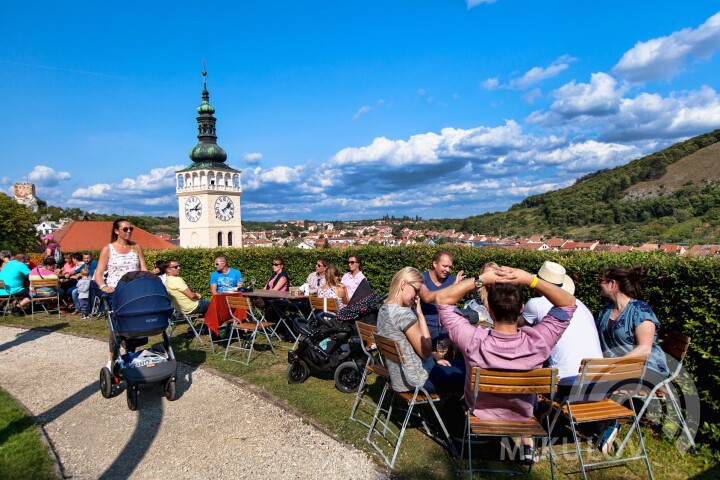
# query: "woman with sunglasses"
401,319
119,257
352,279
279,280
316,279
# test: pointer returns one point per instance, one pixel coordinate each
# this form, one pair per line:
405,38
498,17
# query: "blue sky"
347,110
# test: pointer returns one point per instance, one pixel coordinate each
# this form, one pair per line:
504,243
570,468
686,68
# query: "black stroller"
329,347
140,307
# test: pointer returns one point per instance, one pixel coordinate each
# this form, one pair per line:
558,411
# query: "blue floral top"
620,339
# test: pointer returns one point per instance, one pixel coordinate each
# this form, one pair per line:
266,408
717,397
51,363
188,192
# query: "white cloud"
664,57
420,148
532,95
361,111
46,176
490,83
589,156
475,3
253,158
421,92
599,97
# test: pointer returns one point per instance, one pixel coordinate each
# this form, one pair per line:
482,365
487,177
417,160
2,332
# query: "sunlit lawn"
419,456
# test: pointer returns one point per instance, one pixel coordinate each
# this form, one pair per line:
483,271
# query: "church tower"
208,191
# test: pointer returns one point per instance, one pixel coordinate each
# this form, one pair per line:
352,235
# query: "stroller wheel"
347,377
132,397
297,372
106,383
170,389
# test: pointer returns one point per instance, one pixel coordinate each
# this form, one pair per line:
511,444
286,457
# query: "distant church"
208,191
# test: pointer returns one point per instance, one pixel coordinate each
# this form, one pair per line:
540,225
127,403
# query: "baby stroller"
329,346
140,307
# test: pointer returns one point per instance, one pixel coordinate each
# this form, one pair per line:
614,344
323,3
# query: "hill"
669,196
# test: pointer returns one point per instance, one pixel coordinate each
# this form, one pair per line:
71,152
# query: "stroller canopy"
140,304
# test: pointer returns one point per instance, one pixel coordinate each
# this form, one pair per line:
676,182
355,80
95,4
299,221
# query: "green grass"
419,456
22,454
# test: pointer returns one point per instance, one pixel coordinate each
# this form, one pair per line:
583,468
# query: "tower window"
230,239
219,239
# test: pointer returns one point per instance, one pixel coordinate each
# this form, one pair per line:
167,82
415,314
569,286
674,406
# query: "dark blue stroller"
139,308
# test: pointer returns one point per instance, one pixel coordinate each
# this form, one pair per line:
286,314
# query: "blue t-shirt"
428,309
13,274
226,281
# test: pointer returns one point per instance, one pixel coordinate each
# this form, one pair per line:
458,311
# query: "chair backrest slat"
324,304
366,331
676,344
540,380
241,303
611,370
45,282
389,349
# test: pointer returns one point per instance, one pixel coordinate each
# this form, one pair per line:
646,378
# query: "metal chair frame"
39,283
538,381
251,324
390,351
180,317
675,345
620,376
327,305
9,300
373,365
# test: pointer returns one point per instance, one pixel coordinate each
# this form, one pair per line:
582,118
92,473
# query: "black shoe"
528,455
17,312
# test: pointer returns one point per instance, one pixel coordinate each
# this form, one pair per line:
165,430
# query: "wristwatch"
478,282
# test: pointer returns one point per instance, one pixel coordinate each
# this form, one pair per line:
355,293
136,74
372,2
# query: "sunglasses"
174,266
417,290
127,229
277,264
218,264
352,262
319,265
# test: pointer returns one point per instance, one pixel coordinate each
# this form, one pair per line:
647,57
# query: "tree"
17,232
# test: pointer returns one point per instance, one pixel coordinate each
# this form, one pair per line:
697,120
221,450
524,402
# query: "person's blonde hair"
482,291
331,275
407,275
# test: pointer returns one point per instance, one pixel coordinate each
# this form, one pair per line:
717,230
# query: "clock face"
224,208
193,209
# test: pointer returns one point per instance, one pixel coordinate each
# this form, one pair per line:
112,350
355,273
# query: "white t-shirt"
580,340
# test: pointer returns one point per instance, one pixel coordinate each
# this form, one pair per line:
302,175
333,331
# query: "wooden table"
219,313
283,314
274,295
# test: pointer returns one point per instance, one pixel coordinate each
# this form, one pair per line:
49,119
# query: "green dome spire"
207,150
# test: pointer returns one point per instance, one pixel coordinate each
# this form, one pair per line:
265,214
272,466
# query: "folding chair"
390,351
180,318
42,299
675,345
601,377
8,301
538,381
322,304
373,364
251,325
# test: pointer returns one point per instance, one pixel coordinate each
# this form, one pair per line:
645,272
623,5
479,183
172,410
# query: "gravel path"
215,429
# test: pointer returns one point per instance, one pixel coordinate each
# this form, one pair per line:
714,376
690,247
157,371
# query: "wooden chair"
252,325
42,299
539,381
373,365
589,400
675,345
7,301
390,351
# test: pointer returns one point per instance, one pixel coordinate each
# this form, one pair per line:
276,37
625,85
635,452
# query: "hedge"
682,290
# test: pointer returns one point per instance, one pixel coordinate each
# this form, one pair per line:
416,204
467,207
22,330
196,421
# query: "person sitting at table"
352,279
333,288
224,279
317,278
505,346
279,280
15,273
46,271
182,297
160,269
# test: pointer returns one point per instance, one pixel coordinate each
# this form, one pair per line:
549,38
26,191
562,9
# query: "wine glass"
442,347
252,282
